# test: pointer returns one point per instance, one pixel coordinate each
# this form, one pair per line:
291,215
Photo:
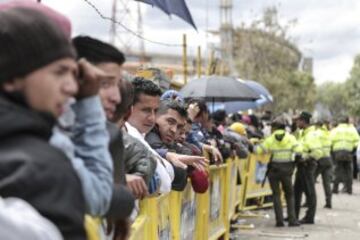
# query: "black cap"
306,116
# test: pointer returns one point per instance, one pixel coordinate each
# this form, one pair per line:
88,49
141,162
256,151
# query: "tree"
265,53
333,97
352,86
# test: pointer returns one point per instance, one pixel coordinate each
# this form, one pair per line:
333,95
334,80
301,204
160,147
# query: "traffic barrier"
253,194
187,215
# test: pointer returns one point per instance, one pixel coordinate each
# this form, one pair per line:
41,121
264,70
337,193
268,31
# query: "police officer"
325,163
344,140
305,175
282,146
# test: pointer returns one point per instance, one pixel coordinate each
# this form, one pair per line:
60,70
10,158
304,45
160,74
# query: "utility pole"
226,33
141,32
130,15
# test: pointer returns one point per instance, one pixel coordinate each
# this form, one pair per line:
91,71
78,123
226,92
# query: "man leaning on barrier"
282,146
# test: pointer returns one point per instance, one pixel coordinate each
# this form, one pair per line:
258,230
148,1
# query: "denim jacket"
86,143
197,136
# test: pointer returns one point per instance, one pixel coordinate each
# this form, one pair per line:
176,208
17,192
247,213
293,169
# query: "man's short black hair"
144,86
96,51
219,116
165,105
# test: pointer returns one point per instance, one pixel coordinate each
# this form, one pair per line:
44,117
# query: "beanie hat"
29,40
238,128
97,51
199,180
60,20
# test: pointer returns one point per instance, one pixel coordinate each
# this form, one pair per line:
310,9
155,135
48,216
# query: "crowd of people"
79,143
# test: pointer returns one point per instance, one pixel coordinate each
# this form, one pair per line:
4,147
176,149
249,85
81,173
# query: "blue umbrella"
175,7
180,9
257,87
236,106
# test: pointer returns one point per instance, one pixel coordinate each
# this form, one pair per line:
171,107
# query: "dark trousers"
324,168
305,183
281,173
355,167
343,173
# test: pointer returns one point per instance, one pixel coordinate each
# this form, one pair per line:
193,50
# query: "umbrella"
257,87
175,7
219,89
235,106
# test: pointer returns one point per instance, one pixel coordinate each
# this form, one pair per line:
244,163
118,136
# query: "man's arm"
93,161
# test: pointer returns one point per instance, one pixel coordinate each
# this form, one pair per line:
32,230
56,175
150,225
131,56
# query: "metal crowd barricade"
253,194
186,215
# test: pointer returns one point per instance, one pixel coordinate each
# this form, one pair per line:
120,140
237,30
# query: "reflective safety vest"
310,143
282,150
324,137
344,137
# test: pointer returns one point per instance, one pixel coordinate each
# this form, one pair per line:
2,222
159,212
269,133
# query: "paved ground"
340,223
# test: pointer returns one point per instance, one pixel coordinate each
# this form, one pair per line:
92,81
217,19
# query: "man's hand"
193,110
89,79
137,186
215,152
174,159
185,160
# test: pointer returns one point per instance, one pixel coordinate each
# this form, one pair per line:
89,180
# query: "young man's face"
170,124
49,88
109,87
144,111
181,137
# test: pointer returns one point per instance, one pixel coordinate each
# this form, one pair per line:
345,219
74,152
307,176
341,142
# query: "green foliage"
342,98
333,97
264,52
352,86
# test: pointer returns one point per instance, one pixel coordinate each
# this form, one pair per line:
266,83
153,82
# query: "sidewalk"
340,223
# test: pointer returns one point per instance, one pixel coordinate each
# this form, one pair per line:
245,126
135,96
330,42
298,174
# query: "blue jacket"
197,136
86,144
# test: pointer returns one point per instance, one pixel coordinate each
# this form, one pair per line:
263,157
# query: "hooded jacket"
33,170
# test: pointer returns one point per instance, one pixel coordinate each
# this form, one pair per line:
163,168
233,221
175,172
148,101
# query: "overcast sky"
327,30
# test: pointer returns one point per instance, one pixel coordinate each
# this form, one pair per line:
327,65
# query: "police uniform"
305,175
344,139
282,146
325,163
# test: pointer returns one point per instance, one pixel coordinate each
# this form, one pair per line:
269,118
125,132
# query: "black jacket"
138,160
33,170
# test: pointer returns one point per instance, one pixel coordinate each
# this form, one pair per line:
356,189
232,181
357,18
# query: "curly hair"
144,86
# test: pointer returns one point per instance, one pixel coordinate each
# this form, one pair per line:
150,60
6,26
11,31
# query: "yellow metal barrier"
253,195
139,228
218,202
186,215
